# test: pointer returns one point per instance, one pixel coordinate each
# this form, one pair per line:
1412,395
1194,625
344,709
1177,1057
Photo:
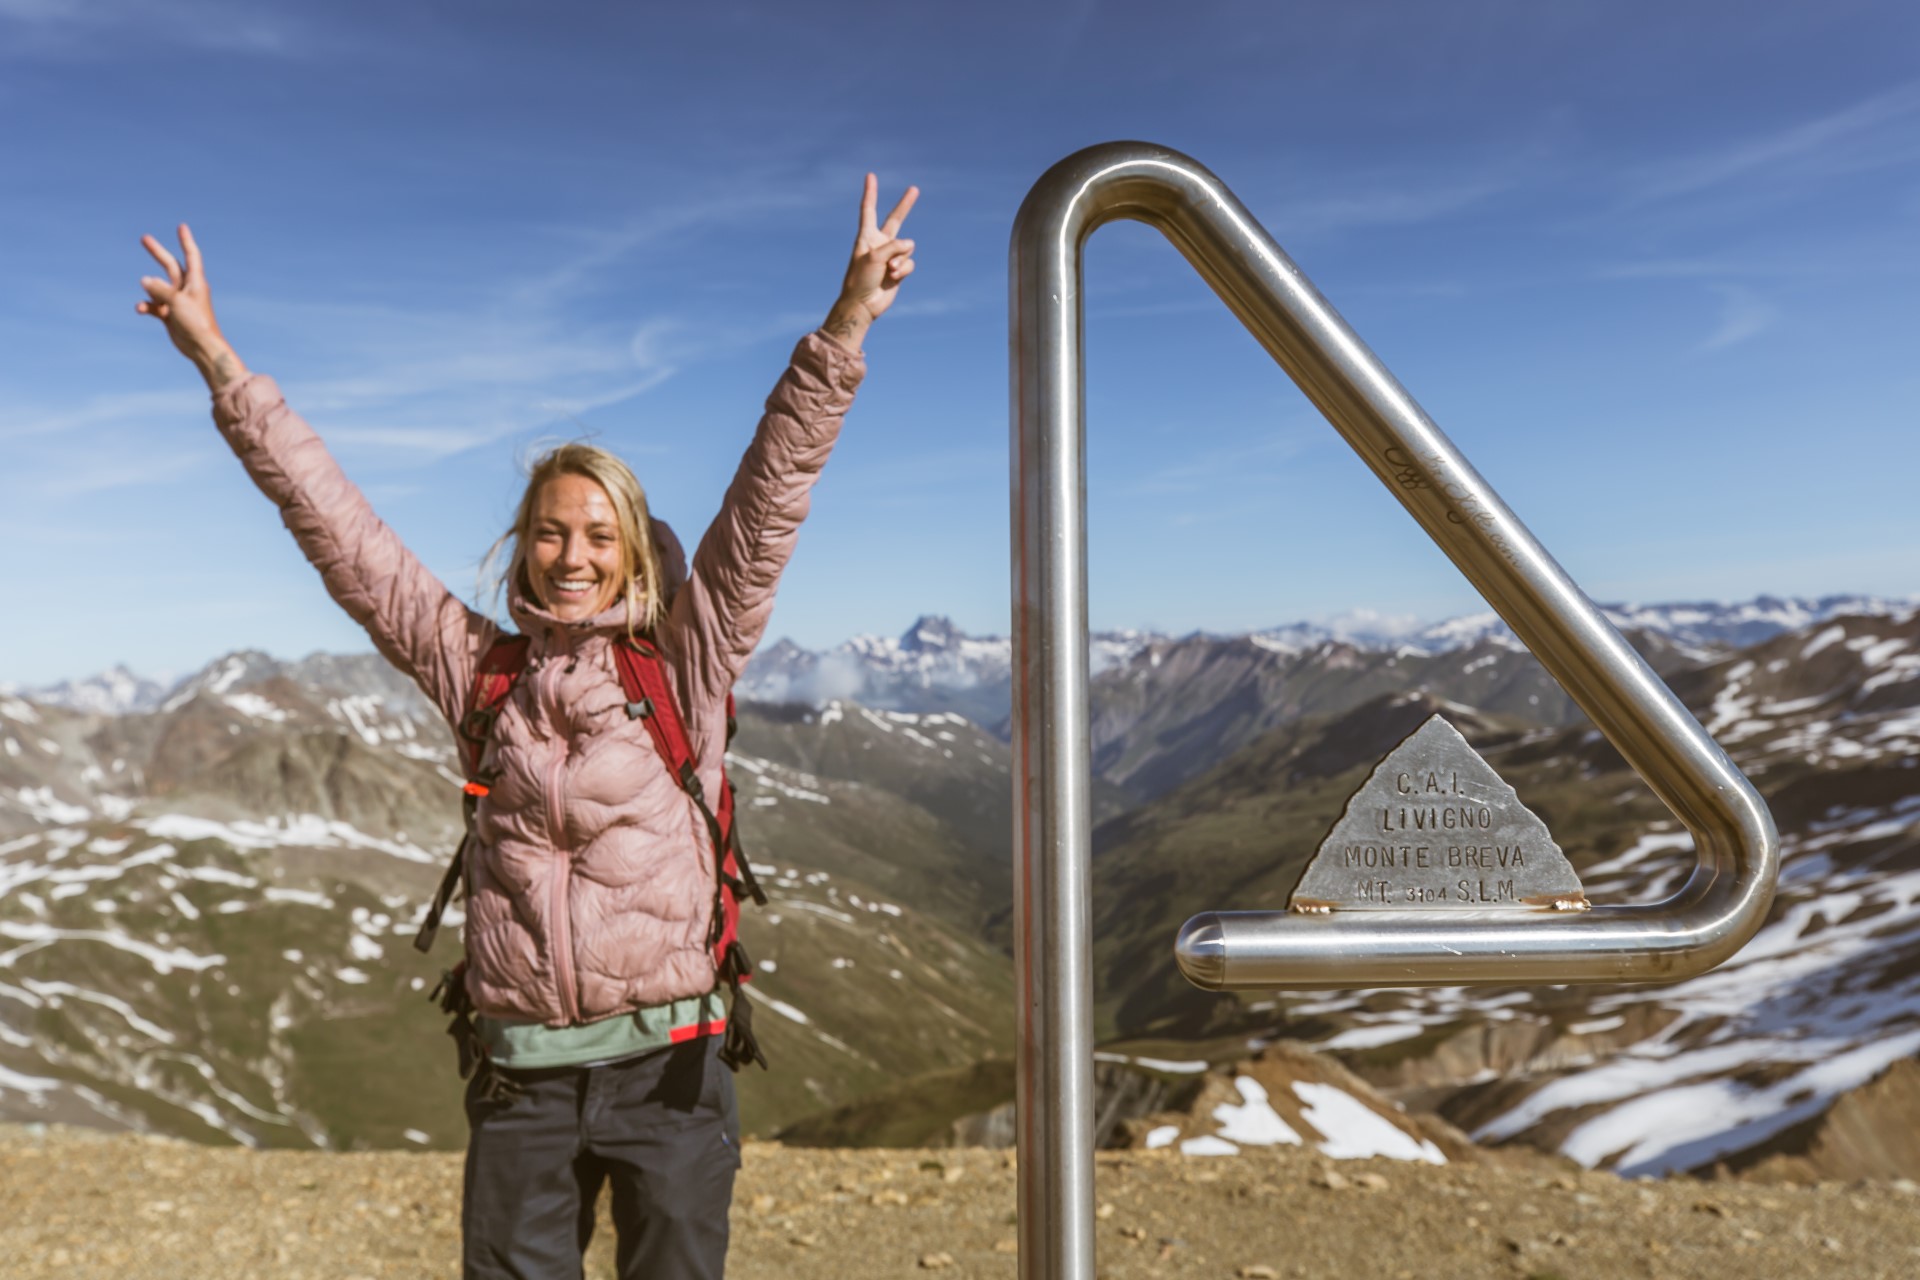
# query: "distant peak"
931,632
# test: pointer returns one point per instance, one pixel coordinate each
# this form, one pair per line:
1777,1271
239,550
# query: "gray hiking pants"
663,1128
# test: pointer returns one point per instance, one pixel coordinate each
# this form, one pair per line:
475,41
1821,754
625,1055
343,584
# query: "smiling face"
575,563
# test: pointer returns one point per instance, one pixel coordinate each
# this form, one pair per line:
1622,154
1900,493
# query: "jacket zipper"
559,906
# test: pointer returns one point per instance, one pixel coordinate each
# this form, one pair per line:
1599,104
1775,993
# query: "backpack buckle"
640,710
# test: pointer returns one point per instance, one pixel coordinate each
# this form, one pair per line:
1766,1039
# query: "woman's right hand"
182,303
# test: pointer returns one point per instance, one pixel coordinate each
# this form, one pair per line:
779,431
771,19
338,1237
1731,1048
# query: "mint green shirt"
529,1045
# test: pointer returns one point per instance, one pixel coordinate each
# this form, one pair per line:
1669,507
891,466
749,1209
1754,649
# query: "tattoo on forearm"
224,370
840,326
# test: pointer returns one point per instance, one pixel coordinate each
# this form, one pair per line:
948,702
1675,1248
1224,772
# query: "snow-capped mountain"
932,667
112,692
1700,628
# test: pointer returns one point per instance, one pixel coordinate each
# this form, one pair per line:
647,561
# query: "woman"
591,872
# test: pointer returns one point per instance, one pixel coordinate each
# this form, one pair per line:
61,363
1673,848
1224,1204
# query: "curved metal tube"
1719,908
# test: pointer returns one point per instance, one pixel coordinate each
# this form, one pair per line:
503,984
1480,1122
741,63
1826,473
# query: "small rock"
1830,1244
1006,1246
1371,1181
1135,1234
953,1174
935,1261
804,1242
1104,1212
1710,1206
1331,1179
1258,1271
887,1196
1905,1186
763,1204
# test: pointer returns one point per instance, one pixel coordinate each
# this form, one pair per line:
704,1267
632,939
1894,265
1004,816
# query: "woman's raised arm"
420,626
719,617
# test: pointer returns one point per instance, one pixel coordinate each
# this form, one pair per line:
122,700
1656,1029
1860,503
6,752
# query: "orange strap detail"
694,1030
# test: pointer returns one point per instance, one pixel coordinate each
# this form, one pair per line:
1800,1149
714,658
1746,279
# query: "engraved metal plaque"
1434,827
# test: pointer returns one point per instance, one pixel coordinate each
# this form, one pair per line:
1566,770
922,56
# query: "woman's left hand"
881,260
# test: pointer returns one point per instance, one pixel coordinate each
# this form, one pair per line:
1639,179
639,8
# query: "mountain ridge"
934,654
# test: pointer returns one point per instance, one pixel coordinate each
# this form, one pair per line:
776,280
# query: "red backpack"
643,678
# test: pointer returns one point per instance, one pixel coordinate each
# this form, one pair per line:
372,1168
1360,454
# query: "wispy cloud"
1204,470
940,305
1387,200
429,383
108,28
1743,315
746,200
906,480
1676,269
86,471
131,408
1876,133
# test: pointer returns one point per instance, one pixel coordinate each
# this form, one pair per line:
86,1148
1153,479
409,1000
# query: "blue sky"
1653,268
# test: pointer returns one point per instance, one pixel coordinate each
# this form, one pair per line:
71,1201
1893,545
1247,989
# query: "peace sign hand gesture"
182,303
881,261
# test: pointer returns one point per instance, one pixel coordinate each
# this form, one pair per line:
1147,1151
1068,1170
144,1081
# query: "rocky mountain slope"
1748,1065
206,909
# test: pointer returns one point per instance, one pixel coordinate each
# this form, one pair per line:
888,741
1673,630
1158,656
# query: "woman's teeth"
573,588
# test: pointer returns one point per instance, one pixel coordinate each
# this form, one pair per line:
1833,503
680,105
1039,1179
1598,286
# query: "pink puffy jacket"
593,883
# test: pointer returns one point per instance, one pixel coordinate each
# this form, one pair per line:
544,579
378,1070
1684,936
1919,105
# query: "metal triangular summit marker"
1435,827
1719,907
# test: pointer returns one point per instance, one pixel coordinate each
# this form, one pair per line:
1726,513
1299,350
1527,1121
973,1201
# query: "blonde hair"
643,582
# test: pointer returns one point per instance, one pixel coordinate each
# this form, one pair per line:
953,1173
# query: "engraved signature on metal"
1722,903
1435,827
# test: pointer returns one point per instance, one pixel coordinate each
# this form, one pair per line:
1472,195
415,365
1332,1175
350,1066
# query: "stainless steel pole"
1721,905
1052,760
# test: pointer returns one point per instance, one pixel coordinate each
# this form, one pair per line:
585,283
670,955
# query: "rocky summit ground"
76,1203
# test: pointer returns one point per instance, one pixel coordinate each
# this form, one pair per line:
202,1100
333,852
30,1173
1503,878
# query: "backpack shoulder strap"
643,678
494,676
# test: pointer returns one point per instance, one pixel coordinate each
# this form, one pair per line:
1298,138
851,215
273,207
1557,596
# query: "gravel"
77,1203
